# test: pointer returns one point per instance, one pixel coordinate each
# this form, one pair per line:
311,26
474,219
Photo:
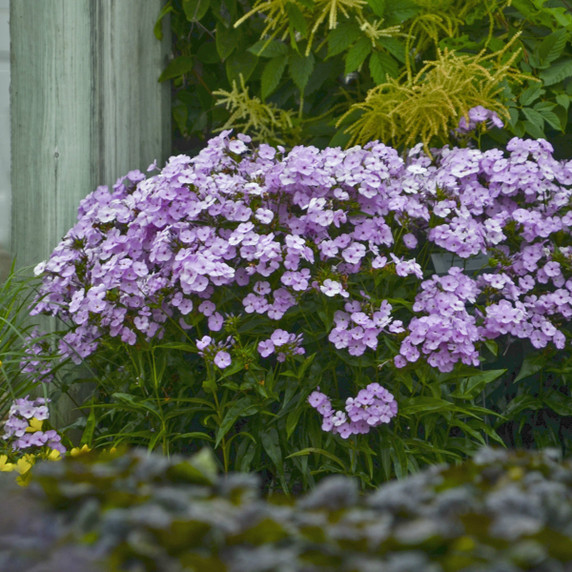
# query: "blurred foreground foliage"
502,510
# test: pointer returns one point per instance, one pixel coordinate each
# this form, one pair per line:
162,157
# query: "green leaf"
472,386
425,404
531,365
377,7
292,421
530,94
319,451
177,68
271,444
534,123
557,72
243,407
136,404
195,9
552,46
552,119
520,403
342,37
272,74
492,346
296,19
240,63
207,53
226,39
382,65
305,365
87,436
563,100
158,28
300,69
268,49
357,54
395,46
559,403
399,12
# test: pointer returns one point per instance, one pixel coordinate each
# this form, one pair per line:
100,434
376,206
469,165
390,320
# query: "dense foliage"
500,511
401,72
222,299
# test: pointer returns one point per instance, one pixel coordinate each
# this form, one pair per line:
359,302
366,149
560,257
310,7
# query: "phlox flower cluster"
359,326
444,332
215,352
274,228
282,343
371,407
35,362
477,116
22,426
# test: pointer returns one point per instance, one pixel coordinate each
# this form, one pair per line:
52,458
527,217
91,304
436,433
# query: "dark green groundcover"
501,511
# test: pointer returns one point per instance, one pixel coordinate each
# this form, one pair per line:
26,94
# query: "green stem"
224,442
165,441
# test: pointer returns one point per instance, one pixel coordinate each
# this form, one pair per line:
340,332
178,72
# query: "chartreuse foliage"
426,107
299,66
133,511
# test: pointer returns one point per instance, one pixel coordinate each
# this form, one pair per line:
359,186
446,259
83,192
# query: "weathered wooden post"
86,108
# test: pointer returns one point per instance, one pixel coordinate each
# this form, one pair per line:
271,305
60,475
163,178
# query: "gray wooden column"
86,108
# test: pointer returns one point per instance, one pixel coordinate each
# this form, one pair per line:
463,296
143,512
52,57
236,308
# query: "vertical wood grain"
86,108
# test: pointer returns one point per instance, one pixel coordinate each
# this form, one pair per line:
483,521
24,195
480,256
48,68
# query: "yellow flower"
76,451
24,464
4,465
54,455
35,425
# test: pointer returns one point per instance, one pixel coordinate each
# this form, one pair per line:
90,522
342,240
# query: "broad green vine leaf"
272,74
342,37
357,54
227,40
545,109
398,11
557,72
377,6
552,46
195,9
268,49
177,67
296,19
158,29
535,122
240,63
300,69
563,100
395,46
382,65
530,94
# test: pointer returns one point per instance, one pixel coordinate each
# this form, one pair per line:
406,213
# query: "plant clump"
248,276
